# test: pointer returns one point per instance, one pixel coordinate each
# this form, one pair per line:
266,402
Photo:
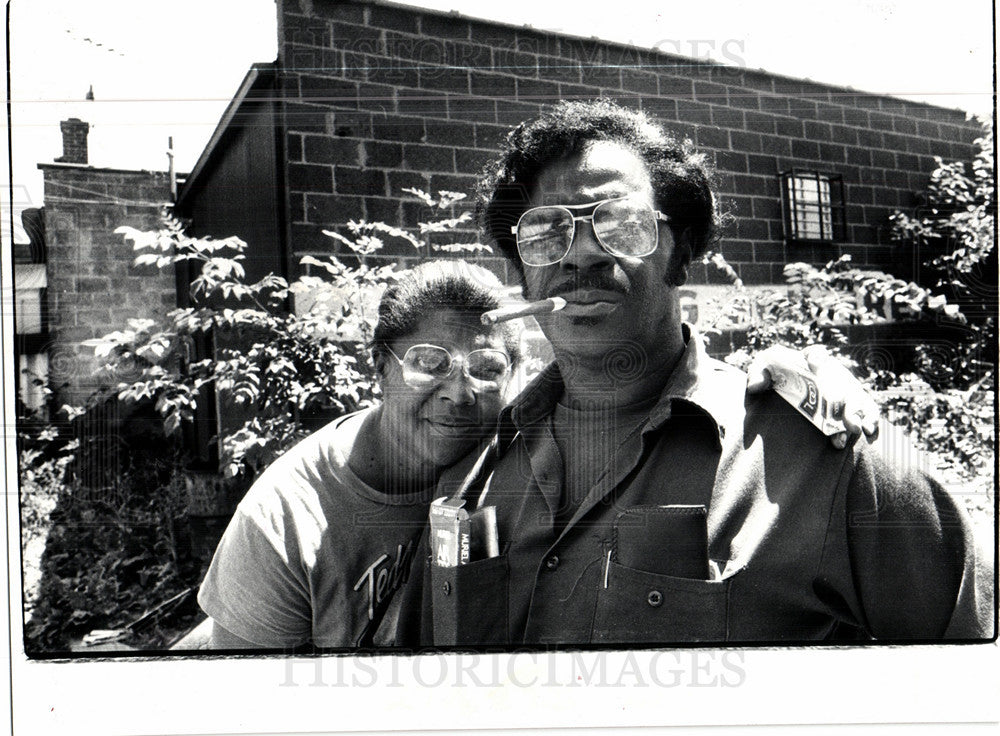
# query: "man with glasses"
641,495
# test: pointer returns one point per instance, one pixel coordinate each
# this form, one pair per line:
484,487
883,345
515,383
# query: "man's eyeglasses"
487,369
624,227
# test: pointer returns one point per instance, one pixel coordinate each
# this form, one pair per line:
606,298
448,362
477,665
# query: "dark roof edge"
102,169
254,76
622,44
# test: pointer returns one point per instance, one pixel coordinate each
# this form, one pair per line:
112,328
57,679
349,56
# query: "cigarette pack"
799,389
458,537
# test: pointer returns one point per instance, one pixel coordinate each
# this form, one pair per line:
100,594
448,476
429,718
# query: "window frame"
831,213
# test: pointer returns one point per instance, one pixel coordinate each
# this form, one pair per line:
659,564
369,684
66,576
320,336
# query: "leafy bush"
820,302
43,468
950,407
111,549
273,365
959,213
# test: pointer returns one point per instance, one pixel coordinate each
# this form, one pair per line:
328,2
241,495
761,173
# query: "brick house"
73,282
89,287
369,97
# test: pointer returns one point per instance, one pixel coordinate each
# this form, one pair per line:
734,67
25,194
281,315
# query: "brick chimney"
74,133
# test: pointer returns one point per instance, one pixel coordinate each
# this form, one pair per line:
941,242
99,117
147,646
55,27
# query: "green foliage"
110,548
43,466
949,407
819,303
960,211
43,461
955,425
273,365
267,360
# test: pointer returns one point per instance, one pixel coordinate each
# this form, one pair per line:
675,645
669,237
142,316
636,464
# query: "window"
812,204
29,294
34,377
31,338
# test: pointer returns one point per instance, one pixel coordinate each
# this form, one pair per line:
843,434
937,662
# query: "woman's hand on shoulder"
849,399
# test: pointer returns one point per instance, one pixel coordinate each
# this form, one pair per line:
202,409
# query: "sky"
162,70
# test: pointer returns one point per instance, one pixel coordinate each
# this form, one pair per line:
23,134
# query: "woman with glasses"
325,536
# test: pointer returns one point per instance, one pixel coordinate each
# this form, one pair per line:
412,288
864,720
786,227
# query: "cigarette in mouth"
552,304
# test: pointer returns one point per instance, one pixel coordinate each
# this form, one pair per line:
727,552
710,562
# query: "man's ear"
378,359
680,259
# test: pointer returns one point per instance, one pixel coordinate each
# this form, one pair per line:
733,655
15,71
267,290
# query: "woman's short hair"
454,285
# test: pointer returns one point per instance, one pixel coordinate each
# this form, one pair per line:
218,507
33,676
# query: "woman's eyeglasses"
624,227
486,368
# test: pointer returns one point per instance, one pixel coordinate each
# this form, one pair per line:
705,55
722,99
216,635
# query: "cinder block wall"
381,97
93,288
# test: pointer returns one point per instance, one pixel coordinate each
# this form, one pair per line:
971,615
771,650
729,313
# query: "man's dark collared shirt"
807,542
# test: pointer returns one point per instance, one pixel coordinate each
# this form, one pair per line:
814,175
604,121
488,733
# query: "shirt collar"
712,387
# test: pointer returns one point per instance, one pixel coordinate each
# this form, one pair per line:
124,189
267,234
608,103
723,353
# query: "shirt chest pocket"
470,602
641,607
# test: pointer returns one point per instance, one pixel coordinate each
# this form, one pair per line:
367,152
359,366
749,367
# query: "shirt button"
446,588
654,598
553,562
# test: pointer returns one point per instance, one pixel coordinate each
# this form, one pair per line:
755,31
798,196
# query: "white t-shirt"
313,553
